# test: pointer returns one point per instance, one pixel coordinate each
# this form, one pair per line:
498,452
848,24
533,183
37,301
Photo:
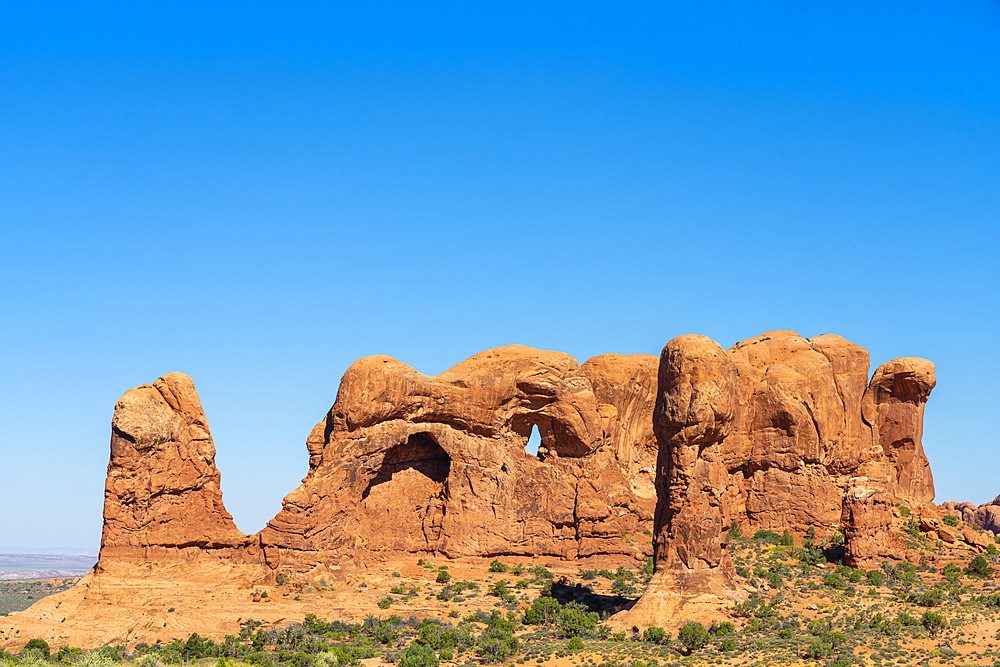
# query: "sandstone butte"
779,432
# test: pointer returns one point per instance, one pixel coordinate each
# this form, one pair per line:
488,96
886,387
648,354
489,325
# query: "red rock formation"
779,433
162,497
407,462
985,516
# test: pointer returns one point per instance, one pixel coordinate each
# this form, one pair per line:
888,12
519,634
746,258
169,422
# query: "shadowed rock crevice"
421,454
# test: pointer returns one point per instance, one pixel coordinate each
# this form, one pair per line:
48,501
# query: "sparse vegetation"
803,609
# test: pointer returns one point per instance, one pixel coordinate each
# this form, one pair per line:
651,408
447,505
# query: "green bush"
543,611
497,566
979,567
576,621
932,621
817,650
443,577
575,644
693,636
497,642
385,603
931,598
726,645
721,629
419,655
38,645
655,635
950,520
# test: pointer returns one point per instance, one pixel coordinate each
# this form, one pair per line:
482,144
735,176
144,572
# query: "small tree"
38,645
979,567
932,621
542,611
655,635
693,636
419,655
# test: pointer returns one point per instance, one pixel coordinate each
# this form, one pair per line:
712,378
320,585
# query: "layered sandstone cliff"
404,462
985,516
780,432
162,498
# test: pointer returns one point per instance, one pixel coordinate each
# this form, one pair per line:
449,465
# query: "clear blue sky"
258,194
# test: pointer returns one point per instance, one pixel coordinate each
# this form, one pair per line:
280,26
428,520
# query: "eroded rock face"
985,516
780,432
407,462
162,496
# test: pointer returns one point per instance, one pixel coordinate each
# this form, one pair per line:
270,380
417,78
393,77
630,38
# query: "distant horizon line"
45,551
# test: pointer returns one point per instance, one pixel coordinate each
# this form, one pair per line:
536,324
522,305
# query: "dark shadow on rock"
564,592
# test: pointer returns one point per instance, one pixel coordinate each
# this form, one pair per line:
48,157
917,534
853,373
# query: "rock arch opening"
420,454
533,443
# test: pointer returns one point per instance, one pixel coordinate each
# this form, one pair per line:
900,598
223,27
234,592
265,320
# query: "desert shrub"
576,621
834,580
767,537
951,572
385,603
543,611
903,618
382,631
721,629
655,635
726,645
817,650
932,621
443,577
693,636
497,642
497,566
979,567
69,654
950,520
38,645
991,600
419,655
574,644
197,647
931,598
622,586
876,577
